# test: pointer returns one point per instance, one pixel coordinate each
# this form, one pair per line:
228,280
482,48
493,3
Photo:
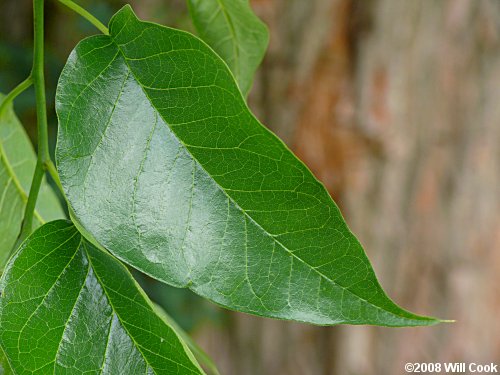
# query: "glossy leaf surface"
165,166
232,29
17,164
69,308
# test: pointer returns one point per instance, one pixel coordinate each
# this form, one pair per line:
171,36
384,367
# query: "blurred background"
395,106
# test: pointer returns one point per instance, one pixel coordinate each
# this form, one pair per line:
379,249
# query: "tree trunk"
393,105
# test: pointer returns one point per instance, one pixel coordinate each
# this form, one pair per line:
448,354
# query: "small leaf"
68,307
17,164
232,29
165,166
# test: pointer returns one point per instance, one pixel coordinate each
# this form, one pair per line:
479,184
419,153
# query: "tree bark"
393,105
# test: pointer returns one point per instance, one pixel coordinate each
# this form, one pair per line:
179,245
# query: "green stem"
41,115
37,78
14,93
32,198
85,14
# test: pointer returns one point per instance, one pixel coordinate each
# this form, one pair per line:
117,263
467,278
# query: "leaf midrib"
74,305
114,310
244,212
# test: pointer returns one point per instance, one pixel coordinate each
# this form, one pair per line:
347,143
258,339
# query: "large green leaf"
232,29
165,166
69,308
17,164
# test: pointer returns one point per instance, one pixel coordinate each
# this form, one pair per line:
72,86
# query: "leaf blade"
185,184
17,164
235,33
68,307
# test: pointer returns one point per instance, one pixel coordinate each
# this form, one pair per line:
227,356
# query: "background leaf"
17,164
198,352
68,307
165,166
232,29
